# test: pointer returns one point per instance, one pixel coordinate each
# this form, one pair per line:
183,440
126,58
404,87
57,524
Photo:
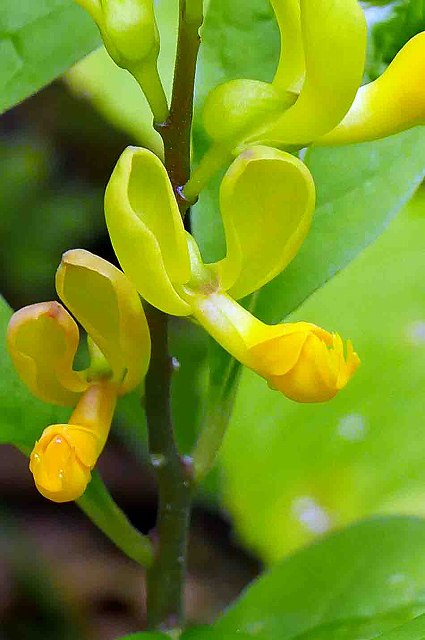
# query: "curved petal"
267,201
42,340
290,72
334,36
146,229
392,103
109,308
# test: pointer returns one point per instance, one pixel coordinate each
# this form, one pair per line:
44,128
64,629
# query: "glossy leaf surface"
38,42
355,584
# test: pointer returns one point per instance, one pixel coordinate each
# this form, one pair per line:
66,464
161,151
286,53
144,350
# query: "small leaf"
38,42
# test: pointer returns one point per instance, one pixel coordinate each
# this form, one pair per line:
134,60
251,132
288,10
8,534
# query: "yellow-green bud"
235,108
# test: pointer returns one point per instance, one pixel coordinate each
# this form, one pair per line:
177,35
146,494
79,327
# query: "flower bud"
62,460
130,35
233,109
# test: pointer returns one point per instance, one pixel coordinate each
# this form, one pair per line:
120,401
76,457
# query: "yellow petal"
58,472
62,459
267,200
334,36
146,229
392,103
42,340
290,72
109,308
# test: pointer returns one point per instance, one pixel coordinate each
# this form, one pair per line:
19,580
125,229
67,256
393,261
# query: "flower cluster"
267,200
43,340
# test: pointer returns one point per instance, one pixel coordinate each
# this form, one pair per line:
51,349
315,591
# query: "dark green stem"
176,130
165,577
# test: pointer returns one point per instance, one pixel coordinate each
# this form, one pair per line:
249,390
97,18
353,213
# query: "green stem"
149,81
221,394
176,130
166,575
165,578
214,159
99,506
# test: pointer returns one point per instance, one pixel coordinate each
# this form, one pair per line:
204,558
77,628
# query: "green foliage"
394,26
38,42
414,630
145,636
355,584
322,466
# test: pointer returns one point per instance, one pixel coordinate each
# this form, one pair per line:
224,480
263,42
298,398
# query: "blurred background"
287,473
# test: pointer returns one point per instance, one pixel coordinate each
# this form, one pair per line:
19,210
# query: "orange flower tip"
307,365
59,473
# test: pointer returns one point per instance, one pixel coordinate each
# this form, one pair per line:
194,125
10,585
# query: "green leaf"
145,636
294,471
413,630
209,633
38,42
352,585
360,188
390,29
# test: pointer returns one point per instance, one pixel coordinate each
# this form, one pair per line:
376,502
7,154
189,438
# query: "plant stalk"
165,577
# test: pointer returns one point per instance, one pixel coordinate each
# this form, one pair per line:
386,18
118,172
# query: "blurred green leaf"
38,42
390,28
352,585
209,633
145,636
294,471
360,188
413,630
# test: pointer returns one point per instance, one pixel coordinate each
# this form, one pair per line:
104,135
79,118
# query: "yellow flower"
43,339
302,361
62,459
267,200
315,96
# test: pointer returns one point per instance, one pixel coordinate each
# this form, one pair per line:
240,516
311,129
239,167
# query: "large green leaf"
38,42
413,630
294,471
359,190
353,585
